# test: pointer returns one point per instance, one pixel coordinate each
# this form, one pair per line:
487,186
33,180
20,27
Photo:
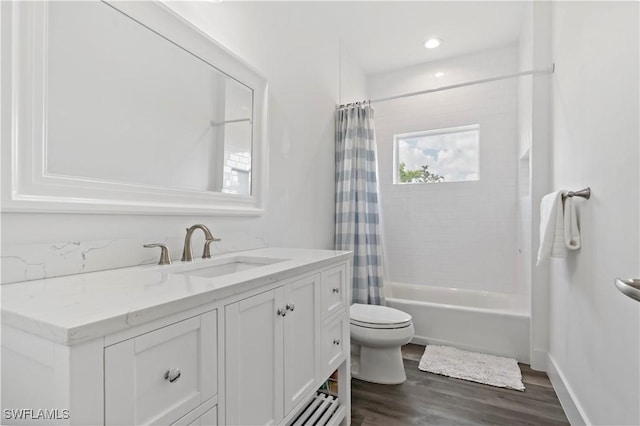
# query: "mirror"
139,108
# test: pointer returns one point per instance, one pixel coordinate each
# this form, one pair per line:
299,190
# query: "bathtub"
487,322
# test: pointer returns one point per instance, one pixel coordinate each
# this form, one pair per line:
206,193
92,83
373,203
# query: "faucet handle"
165,259
206,253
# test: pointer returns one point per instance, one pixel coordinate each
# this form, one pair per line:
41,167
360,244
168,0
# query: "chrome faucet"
186,252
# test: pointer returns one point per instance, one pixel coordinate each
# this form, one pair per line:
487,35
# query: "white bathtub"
493,323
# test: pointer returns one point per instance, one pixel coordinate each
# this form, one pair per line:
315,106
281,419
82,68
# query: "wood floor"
431,399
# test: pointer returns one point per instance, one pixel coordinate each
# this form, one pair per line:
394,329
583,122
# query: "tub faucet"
186,252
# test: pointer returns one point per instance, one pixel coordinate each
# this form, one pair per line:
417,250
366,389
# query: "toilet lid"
375,316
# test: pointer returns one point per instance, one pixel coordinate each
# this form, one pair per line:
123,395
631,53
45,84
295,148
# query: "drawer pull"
336,342
335,290
290,307
281,312
173,375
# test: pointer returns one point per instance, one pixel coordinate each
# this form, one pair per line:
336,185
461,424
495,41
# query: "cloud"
452,155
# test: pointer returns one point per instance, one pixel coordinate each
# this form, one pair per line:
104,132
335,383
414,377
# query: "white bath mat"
476,367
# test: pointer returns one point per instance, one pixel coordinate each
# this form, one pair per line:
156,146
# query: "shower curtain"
357,218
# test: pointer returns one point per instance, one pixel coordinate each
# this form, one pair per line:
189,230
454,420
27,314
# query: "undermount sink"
216,268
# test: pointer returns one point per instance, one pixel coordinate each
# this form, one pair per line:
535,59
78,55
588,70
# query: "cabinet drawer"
334,292
158,377
335,343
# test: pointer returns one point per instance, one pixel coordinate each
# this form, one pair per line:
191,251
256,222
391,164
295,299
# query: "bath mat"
476,367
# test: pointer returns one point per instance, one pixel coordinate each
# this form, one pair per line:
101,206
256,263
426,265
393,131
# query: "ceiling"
384,36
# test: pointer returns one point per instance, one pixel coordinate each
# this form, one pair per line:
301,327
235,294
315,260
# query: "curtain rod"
549,70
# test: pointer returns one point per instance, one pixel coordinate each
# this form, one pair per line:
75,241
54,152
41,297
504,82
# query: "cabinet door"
253,357
301,339
160,376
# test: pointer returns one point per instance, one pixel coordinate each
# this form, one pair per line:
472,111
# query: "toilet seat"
378,317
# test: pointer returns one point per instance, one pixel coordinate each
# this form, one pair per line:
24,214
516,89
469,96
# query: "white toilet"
377,332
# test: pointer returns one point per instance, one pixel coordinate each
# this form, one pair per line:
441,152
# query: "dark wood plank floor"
431,399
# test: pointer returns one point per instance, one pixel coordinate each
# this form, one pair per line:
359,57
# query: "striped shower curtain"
357,219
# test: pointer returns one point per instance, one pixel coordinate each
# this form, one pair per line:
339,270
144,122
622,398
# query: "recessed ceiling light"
432,43
439,74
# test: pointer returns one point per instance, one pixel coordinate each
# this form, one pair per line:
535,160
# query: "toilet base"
377,365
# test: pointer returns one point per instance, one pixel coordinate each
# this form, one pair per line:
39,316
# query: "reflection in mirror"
138,109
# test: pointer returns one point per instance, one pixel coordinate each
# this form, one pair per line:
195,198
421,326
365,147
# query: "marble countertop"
78,308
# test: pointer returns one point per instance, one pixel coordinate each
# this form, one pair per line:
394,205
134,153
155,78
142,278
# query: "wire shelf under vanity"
322,410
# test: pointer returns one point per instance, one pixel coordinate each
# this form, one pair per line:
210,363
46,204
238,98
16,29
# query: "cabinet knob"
336,342
290,307
282,312
335,290
172,375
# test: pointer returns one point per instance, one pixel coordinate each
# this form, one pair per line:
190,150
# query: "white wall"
594,338
456,234
299,55
525,136
353,80
535,130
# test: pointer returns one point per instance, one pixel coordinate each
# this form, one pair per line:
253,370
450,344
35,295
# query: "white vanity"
243,338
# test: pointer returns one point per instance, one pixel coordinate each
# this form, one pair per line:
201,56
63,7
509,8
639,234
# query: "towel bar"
629,287
584,193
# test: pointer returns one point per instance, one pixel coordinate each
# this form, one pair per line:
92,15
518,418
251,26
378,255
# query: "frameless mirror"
136,108
127,105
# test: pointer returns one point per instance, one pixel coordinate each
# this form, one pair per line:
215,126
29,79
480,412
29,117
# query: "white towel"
559,230
571,231
551,227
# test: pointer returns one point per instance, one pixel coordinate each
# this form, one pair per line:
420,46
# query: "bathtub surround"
455,239
452,234
357,219
482,368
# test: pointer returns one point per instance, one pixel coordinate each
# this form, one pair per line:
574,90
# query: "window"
432,156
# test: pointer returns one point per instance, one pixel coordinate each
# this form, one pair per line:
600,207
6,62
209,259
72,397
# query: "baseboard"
572,408
419,340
